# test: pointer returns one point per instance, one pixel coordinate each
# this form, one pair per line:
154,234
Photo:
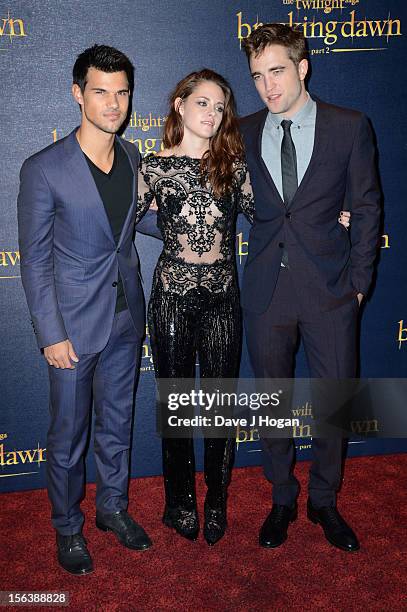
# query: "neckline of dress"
172,156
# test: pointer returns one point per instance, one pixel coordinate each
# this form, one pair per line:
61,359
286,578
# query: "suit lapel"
84,183
321,141
134,167
258,140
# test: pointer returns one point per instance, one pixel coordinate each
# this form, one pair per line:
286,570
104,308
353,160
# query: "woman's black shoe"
215,523
185,522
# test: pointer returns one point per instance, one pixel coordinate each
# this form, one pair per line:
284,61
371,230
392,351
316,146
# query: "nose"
269,82
113,101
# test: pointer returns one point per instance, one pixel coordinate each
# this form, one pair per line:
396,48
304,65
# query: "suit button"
288,215
281,245
118,251
114,284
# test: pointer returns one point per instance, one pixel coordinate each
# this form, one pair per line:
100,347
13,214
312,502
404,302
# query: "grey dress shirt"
302,133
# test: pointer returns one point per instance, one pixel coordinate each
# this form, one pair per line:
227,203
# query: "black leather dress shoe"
128,532
185,522
73,554
337,531
274,529
215,523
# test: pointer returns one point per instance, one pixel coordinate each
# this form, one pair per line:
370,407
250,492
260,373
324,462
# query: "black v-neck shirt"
116,191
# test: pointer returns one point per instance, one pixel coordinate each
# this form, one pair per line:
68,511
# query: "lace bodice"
197,227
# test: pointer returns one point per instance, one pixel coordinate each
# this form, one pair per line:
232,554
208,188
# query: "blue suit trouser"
109,379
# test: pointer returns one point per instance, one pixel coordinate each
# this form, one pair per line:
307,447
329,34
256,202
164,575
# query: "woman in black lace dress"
199,183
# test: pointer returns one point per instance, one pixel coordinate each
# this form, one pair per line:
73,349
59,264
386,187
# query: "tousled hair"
104,58
276,34
225,147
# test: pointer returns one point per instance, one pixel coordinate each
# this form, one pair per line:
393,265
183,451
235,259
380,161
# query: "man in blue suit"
80,272
305,274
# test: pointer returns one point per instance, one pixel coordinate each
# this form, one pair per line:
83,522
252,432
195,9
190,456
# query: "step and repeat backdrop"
357,51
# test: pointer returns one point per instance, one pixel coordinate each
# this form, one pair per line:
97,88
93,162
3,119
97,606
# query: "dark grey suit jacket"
342,175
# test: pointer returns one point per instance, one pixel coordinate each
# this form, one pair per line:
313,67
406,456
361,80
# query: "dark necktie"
288,164
288,173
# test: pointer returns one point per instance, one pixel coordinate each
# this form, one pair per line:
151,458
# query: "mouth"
112,116
208,123
273,97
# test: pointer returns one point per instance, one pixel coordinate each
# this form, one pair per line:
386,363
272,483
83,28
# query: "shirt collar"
305,112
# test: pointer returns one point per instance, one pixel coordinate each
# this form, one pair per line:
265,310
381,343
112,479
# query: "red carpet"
306,573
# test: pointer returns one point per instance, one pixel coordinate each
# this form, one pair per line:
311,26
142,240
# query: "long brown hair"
225,147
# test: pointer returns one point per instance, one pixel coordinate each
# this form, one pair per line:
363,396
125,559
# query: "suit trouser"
329,339
109,377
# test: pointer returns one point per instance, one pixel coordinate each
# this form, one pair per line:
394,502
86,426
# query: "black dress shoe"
185,522
336,530
274,529
73,554
215,523
128,532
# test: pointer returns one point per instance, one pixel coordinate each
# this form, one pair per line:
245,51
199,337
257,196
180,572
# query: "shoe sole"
316,521
81,573
122,542
292,519
210,543
263,545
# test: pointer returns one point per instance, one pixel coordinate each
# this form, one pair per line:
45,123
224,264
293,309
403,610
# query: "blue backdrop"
357,50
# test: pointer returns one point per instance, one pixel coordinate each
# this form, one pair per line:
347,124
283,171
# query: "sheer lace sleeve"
145,195
245,192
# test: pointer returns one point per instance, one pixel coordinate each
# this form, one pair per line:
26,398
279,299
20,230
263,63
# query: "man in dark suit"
80,272
305,275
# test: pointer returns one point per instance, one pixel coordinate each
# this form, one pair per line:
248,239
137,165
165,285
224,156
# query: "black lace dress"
194,306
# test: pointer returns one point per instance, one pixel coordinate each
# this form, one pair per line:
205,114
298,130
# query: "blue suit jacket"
69,258
331,262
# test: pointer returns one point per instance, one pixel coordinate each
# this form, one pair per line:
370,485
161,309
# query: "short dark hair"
276,34
104,58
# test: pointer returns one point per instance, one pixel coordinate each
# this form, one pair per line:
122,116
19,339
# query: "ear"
77,94
303,69
179,106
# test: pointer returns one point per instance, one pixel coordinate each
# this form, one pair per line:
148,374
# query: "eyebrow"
103,89
269,70
205,98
